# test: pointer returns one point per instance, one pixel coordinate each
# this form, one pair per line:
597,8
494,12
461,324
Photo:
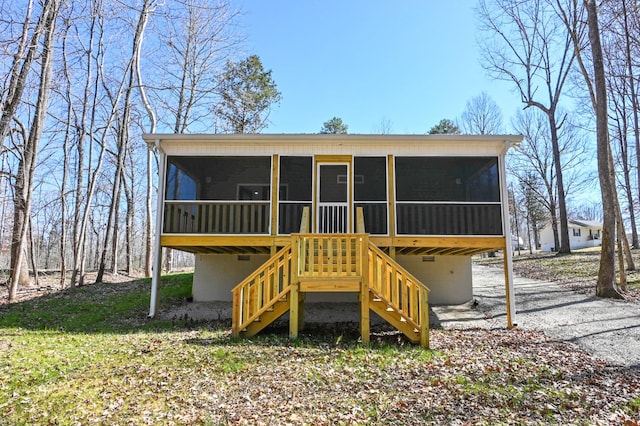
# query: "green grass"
93,356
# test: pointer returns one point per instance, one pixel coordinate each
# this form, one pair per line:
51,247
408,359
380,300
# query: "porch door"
332,216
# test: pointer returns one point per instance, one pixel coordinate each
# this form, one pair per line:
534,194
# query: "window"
180,184
473,179
576,232
370,192
370,180
448,196
218,195
295,193
296,178
218,178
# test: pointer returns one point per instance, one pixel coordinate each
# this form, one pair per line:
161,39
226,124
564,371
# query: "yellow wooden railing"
330,255
332,262
257,293
401,291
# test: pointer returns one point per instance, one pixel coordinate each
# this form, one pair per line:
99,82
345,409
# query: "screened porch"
400,196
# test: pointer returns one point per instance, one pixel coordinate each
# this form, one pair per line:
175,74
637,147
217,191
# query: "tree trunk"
634,109
20,68
148,226
606,284
554,222
84,195
623,277
129,223
26,170
565,246
111,229
34,259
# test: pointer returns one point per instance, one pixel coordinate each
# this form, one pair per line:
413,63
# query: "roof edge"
151,138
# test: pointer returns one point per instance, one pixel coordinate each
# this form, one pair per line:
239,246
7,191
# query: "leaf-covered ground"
92,357
578,270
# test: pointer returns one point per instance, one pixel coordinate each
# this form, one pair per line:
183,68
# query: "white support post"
157,248
508,253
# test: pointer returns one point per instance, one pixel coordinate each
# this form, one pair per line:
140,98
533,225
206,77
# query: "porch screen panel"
448,196
370,192
295,192
218,195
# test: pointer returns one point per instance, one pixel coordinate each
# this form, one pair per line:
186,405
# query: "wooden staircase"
332,263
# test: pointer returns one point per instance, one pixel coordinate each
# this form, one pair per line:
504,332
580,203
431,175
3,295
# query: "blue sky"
410,62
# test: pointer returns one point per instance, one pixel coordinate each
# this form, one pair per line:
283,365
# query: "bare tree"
535,156
92,51
147,7
128,86
532,203
26,51
24,179
384,127
630,45
572,14
606,286
482,116
528,45
93,107
195,39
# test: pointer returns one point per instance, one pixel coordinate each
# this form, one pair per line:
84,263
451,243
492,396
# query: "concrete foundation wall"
217,274
448,277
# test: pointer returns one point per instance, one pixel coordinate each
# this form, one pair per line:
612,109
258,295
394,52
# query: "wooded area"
81,81
552,51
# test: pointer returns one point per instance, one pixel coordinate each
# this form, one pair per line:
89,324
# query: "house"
582,234
390,221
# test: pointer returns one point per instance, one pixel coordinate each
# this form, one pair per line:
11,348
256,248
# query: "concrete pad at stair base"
318,313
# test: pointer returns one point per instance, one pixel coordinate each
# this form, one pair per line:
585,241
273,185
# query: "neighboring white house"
582,234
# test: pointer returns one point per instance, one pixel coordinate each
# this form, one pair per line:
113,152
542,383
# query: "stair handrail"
409,296
257,293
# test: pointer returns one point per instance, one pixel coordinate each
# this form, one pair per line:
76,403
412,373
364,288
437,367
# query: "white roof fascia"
256,144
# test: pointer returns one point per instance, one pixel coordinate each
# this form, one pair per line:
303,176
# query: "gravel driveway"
608,329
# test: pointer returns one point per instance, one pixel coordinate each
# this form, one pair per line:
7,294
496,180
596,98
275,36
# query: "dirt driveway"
608,329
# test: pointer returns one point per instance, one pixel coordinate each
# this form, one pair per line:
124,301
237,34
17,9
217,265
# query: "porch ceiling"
223,249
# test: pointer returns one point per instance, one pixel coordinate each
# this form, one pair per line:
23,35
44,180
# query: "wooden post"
360,228
236,317
365,325
508,283
294,310
294,302
391,205
506,231
301,299
424,317
304,221
274,199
